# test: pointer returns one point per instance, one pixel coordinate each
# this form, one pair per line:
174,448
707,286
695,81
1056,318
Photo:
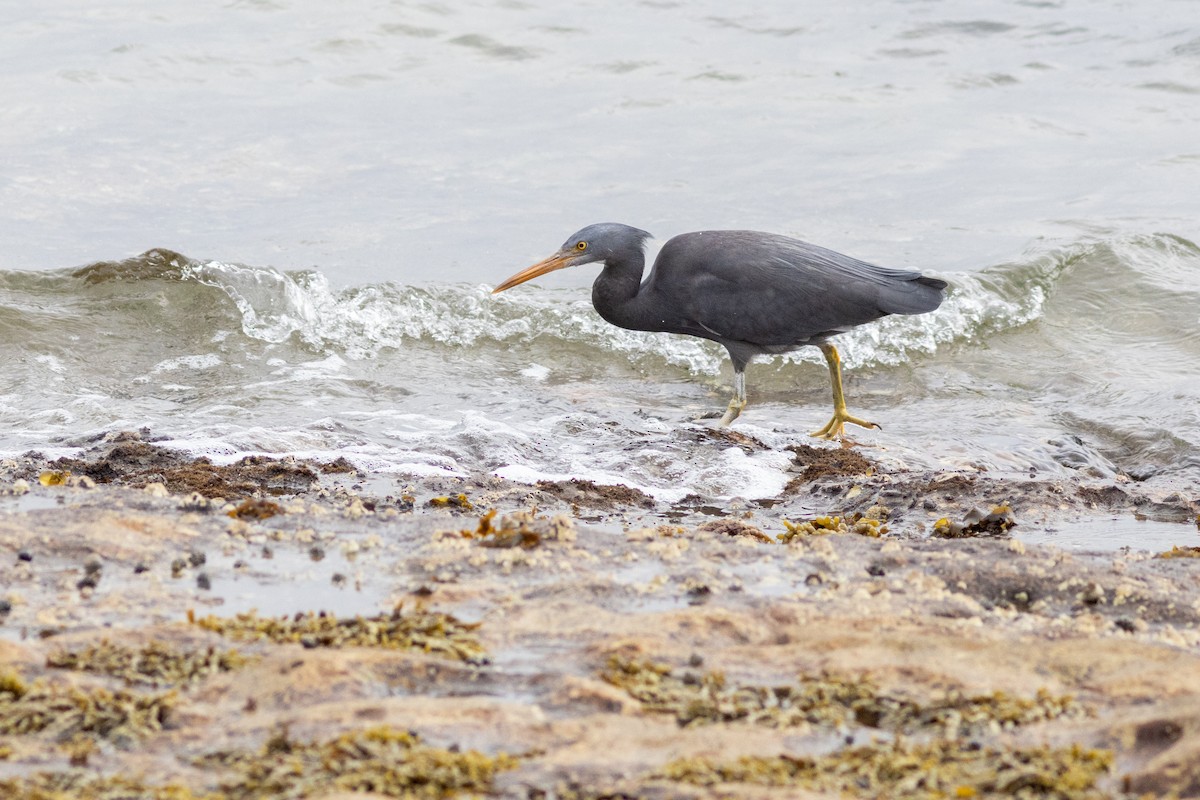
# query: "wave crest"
358,322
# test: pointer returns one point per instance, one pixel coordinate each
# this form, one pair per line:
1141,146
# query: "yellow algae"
54,477
868,524
67,711
1176,551
425,631
524,529
80,785
155,663
904,771
825,699
703,698
383,760
452,501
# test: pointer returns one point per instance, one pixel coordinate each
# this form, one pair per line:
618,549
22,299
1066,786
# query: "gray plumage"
753,292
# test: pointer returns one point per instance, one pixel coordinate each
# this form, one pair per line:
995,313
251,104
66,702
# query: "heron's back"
770,291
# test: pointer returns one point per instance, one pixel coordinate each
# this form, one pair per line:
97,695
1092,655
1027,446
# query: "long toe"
826,430
836,427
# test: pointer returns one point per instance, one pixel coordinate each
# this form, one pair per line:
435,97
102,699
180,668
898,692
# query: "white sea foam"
359,322
523,473
536,372
52,363
449,381
202,361
421,469
273,306
735,473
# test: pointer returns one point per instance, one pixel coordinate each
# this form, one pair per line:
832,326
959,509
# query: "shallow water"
277,581
1114,533
1008,376
344,184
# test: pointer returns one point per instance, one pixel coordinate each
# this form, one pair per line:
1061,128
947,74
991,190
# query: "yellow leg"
835,428
739,399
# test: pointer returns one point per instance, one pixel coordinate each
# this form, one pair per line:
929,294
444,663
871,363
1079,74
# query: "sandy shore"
572,640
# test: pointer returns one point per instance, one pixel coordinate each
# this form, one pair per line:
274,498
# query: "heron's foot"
836,427
731,413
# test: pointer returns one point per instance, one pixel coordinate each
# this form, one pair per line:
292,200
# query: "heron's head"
598,242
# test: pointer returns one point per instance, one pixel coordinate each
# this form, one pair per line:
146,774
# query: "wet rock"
997,522
593,495
821,462
256,510
338,466
734,527
131,462
821,637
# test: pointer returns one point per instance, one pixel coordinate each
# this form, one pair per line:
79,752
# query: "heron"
755,293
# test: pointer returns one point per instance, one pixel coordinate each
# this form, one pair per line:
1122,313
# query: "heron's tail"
916,295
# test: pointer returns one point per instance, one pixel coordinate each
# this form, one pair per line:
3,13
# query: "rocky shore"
174,628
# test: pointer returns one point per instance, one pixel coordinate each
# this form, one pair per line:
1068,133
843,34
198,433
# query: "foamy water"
1023,368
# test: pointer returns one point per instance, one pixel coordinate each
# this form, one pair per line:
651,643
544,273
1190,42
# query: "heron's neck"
615,292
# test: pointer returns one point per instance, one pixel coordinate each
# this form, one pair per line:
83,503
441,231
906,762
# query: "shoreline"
599,622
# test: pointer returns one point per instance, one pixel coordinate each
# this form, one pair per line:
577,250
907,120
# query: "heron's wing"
772,290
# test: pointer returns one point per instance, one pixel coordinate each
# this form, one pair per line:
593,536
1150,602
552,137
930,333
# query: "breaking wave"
358,322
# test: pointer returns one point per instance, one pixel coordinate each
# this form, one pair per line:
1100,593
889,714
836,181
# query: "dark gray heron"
756,293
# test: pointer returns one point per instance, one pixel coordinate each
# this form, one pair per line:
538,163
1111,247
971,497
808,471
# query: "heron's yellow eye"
581,246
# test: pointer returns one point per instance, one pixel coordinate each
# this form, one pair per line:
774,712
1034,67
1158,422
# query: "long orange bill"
556,261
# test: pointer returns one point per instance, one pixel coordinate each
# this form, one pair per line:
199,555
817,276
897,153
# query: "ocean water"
272,227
